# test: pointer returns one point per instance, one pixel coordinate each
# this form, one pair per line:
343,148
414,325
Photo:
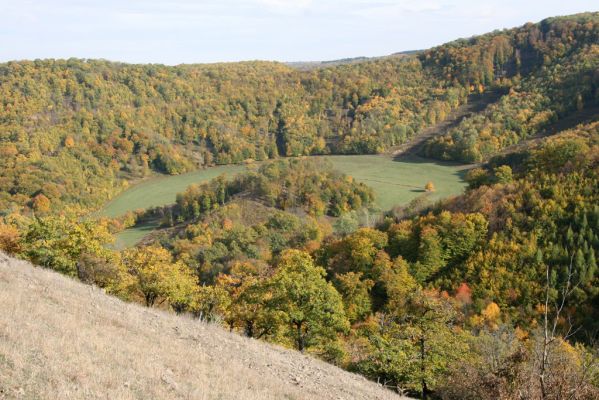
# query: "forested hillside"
550,70
73,131
477,297
492,294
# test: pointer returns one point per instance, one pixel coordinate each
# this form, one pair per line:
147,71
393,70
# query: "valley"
395,182
427,220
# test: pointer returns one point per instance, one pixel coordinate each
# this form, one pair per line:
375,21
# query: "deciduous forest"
492,294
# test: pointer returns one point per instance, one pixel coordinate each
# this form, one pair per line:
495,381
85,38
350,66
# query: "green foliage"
412,346
410,302
70,125
61,243
311,185
548,67
309,305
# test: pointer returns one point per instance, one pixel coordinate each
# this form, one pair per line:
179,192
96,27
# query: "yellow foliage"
69,142
10,239
41,203
491,312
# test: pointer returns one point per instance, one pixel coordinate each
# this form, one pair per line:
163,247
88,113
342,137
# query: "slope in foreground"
63,339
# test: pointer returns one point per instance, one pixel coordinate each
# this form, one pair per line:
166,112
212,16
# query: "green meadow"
162,190
395,182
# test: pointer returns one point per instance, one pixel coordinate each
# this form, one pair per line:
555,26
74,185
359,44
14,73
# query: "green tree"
60,242
311,307
356,295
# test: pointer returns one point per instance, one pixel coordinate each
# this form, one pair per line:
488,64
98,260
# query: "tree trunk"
249,329
424,394
150,299
300,337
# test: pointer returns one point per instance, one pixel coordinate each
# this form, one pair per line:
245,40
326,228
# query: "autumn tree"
311,307
41,203
248,291
10,238
212,303
157,278
60,242
356,294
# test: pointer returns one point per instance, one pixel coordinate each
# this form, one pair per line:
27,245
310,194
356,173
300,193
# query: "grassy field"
162,190
395,182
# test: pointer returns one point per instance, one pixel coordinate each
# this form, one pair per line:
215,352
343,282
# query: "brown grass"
60,339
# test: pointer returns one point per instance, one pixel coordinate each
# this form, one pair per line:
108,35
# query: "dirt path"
476,104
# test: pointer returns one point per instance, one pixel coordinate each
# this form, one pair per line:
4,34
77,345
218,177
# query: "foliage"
311,185
309,305
548,69
69,125
156,278
60,243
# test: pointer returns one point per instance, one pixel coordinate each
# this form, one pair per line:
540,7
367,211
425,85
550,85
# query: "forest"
447,301
75,132
492,294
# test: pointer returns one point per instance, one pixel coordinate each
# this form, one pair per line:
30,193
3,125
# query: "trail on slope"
476,103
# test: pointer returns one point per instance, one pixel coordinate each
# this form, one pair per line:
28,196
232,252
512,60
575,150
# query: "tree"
157,278
247,288
415,342
429,187
503,174
60,242
10,238
212,303
557,294
310,306
41,203
356,295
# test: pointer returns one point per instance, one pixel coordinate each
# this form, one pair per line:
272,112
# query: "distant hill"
62,339
307,65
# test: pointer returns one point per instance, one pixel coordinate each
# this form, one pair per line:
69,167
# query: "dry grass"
60,339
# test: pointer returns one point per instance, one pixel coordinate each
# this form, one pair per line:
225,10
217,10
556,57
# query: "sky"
193,31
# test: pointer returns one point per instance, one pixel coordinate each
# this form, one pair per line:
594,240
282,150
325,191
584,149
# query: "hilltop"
64,339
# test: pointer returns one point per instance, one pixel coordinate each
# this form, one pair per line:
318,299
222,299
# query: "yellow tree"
157,278
60,242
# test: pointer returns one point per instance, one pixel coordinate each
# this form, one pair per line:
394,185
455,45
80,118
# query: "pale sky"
191,31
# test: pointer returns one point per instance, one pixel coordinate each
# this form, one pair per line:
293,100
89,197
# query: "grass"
162,190
395,182
131,236
61,339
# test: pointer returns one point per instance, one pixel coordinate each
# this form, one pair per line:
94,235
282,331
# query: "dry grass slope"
60,339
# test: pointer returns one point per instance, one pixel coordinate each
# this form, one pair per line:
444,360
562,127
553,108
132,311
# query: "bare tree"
551,321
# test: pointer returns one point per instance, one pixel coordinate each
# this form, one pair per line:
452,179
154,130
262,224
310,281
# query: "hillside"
63,339
74,132
489,294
